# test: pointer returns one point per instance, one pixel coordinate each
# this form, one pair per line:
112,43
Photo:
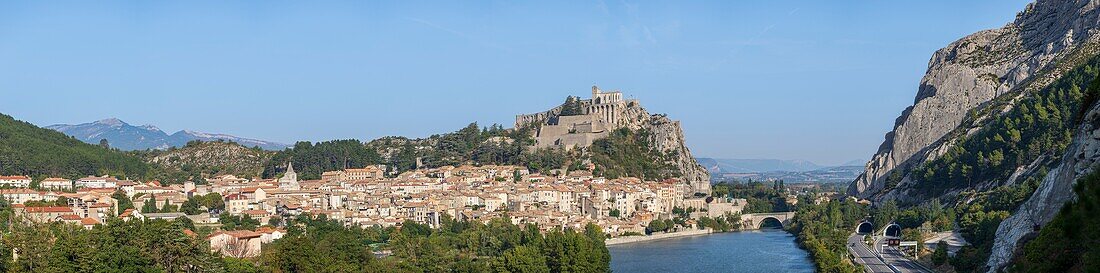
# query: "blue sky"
815,80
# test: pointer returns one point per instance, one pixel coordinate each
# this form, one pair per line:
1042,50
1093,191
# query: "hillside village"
366,197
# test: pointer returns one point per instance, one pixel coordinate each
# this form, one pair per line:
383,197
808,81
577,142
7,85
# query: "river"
746,251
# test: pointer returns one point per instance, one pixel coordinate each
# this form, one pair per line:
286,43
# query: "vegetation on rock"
1071,241
199,159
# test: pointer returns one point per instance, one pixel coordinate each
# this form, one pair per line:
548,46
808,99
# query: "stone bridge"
756,220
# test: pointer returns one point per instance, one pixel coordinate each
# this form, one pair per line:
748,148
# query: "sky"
813,80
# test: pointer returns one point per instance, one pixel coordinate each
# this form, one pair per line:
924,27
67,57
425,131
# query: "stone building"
289,181
601,114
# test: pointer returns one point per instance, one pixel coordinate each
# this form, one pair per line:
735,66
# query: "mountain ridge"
997,111
125,136
750,165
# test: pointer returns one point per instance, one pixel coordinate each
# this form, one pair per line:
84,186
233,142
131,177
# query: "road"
891,260
866,256
901,263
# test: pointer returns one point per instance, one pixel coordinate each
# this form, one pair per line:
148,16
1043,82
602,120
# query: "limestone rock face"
973,71
1055,190
667,136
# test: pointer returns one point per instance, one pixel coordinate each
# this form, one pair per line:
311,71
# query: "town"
368,197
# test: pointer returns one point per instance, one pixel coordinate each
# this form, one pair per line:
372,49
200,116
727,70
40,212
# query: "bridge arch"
892,230
770,222
865,227
761,220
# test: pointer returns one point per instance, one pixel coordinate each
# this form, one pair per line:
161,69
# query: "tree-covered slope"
1017,132
310,159
26,149
628,153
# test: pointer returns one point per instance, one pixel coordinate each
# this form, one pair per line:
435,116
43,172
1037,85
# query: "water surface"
747,251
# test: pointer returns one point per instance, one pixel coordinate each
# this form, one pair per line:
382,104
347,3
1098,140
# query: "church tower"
595,91
289,181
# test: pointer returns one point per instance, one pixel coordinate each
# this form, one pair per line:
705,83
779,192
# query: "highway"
866,256
892,260
900,262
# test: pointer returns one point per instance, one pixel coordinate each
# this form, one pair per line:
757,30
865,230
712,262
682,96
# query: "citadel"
604,112
579,124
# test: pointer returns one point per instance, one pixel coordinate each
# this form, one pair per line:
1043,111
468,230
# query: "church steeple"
289,181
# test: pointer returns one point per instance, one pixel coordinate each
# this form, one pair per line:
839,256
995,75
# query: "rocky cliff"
1056,189
970,72
972,84
668,137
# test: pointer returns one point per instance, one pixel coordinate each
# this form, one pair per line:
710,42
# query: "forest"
26,149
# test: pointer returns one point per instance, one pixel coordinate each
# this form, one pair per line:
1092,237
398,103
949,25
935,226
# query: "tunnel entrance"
892,230
865,228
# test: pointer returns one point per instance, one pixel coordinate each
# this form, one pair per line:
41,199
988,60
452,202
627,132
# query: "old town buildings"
366,197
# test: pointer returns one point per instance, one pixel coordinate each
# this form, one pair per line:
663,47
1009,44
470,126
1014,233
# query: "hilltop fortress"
580,122
599,115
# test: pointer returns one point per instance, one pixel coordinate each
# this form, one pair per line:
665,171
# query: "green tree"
939,256
150,205
190,207
657,226
124,202
522,259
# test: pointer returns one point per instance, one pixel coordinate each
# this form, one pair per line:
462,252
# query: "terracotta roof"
48,209
88,221
255,212
235,196
240,234
18,191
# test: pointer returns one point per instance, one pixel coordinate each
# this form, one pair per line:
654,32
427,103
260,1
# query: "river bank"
654,237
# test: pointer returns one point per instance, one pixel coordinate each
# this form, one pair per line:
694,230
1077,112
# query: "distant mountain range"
127,137
727,165
723,169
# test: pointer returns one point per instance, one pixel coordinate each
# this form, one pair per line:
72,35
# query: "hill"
124,136
26,149
606,134
206,159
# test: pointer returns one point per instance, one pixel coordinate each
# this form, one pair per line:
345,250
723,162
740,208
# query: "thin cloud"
752,40
463,35
602,6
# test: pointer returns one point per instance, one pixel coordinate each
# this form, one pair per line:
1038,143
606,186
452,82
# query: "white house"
97,182
17,181
56,183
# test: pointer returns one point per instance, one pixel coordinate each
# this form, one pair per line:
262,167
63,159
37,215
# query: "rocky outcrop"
608,111
212,158
972,71
1056,189
668,137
